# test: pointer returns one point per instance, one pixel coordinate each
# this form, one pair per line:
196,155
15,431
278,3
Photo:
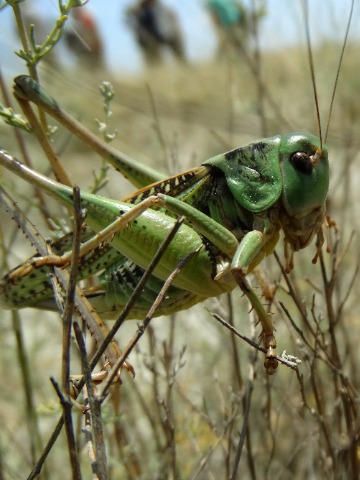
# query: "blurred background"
282,25
179,100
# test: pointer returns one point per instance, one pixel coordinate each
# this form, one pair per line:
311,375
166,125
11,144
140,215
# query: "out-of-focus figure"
83,39
234,23
156,29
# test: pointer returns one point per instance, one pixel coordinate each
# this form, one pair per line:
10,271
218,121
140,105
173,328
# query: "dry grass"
198,390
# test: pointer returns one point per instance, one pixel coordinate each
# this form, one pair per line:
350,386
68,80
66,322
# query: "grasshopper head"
305,175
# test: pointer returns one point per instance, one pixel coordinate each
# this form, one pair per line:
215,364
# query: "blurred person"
227,13
233,22
83,39
156,28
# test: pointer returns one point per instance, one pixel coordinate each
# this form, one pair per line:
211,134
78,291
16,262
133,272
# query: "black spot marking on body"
258,146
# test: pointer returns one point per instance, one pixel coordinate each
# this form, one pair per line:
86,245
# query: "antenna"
339,68
318,153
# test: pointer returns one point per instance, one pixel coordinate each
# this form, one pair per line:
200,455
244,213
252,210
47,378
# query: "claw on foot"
105,371
271,362
99,377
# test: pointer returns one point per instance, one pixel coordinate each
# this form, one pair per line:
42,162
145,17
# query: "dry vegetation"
199,391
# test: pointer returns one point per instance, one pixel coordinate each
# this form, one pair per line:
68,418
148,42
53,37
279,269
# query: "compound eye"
301,161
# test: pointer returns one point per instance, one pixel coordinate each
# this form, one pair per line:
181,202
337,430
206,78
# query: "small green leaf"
14,119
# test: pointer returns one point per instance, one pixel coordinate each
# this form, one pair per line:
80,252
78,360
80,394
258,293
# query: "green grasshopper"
234,205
